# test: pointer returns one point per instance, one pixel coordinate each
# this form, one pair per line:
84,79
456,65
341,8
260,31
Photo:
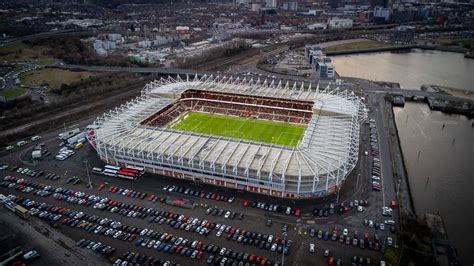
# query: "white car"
143,232
311,248
227,215
270,238
222,252
345,232
371,224
274,247
389,241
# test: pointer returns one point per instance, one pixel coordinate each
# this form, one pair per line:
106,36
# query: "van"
35,138
31,255
21,143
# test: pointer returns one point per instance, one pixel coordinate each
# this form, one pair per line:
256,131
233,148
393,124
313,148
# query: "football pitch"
251,129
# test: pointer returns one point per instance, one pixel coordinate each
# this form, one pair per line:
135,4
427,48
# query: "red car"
199,256
366,237
297,212
199,245
246,203
331,261
101,187
393,204
251,258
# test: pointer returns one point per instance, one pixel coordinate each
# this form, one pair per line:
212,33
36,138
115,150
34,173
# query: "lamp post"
88,176
283,253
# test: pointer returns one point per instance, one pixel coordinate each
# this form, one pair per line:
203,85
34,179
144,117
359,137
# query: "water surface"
412,69
440,167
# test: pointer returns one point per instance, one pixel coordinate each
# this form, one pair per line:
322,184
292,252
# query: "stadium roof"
327,152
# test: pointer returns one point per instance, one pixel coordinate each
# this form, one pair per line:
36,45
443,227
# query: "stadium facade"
137,134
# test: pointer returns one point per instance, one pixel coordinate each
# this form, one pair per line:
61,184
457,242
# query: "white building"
101,52
256,7
317,26
340,23
291,6
271,3
114,37
382,13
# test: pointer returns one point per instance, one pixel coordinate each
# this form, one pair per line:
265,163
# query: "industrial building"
340,23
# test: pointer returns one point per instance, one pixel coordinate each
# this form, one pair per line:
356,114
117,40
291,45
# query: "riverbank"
401,49
465,94
398,48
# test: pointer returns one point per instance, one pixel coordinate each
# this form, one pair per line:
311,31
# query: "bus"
132,171
110,172
139,169
112,167
97,170
126,175
22,212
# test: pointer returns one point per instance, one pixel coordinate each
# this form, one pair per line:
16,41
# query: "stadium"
263,136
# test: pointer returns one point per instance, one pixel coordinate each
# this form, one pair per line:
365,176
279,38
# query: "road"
53,247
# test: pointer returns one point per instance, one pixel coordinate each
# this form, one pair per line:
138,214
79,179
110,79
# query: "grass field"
55,77
245,128
12,93
22,51
368,44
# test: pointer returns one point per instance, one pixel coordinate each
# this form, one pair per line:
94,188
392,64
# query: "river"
439,161
440,167
410,70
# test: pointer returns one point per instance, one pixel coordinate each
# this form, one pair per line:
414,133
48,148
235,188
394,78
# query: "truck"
68,134
72,140
22,212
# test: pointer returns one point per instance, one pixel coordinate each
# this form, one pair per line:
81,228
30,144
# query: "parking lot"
143,217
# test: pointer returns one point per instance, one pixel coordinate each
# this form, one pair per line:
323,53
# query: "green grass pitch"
278,133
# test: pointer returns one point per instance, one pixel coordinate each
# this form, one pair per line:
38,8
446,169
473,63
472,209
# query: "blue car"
161,246
167,248
139,242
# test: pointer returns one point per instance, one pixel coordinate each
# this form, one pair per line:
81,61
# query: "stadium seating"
267,108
